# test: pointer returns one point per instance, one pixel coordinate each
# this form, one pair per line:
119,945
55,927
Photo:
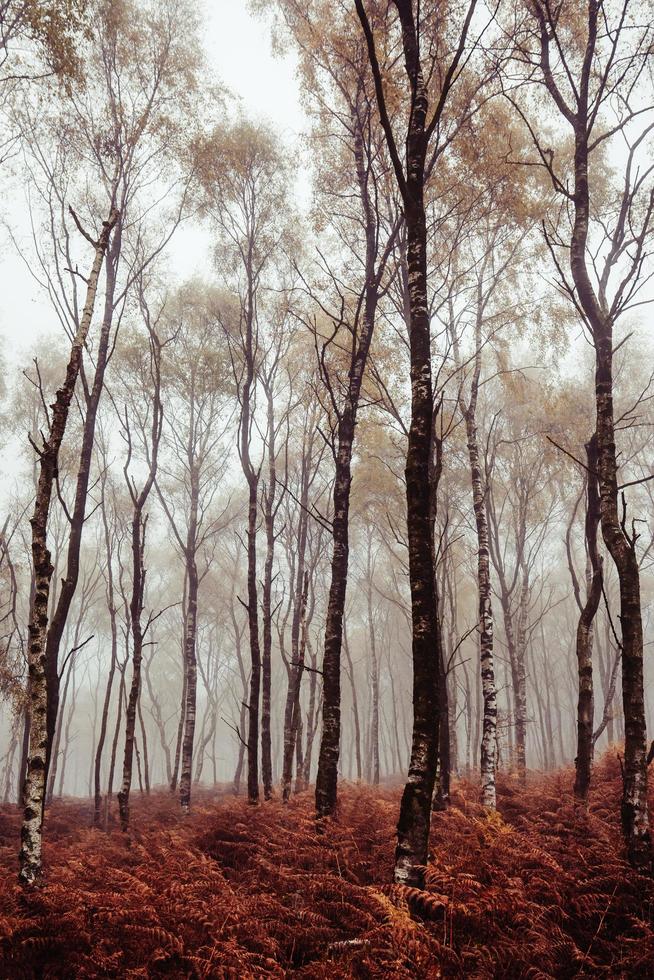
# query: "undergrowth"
540,889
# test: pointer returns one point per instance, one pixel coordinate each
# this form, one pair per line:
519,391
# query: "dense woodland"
348,536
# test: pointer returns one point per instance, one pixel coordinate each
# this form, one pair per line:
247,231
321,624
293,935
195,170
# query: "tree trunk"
104,719
292,720
136,608
255,652
78,516
269,519
71,712
441,795
414,820
182,707
190,632
374,675
55,753
489,691
621,546
585,702
34,792
114,744
22,768
11,752
520,681
355,705
312,716
144,740
327,776
159,722
415,809
599,314
139,524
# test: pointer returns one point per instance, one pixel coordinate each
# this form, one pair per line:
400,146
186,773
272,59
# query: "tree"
302,477
410,174
587,613
54,28
245,197
145,416
593,66
48,455
352,174
191,476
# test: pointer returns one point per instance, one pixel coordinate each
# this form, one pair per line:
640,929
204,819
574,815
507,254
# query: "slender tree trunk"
396,726
489,691
55,756
355,705
621,547
326,780
635,817
300,783
242,745
190,632
71,713
24,750
104,719
293,720
598,314
374,675
34,792
182,708
11,752
208,732
78,516
327,776
548,712
255,651
159,722
144,740
609,695
312,716
114,744
96,689
441,795
520,689
269,519
452,697
468,721
585,702
136,608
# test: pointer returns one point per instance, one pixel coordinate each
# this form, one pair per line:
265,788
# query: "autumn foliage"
539,889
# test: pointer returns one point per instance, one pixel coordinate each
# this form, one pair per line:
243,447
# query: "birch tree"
244,181
594,66
48,456
425,119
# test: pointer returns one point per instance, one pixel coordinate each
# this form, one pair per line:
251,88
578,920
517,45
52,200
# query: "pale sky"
239,50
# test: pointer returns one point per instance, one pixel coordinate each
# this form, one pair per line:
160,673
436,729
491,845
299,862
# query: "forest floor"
538,890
